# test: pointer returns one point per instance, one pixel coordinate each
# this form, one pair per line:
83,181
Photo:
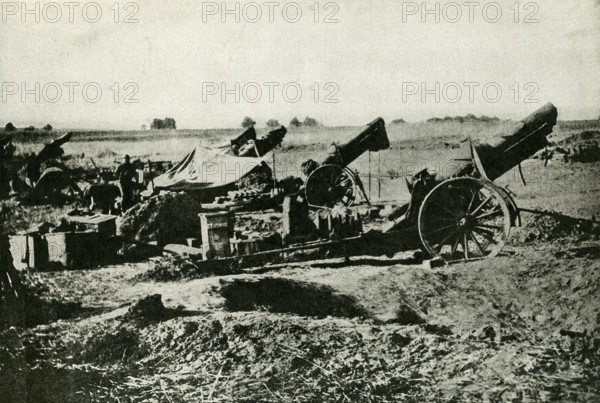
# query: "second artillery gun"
332,182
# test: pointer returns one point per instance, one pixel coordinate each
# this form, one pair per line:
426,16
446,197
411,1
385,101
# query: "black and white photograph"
299,201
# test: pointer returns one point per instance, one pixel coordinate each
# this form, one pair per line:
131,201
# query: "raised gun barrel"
489,158
498,154
501,153
373,137
331,182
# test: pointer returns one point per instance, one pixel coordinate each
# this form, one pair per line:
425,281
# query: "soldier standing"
127,175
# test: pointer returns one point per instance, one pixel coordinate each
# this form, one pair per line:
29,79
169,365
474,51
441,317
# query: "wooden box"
74,250
215,231
29,251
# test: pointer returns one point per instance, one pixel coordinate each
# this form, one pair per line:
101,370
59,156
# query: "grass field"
414,146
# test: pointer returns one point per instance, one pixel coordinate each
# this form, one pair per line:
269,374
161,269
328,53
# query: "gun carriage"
332,182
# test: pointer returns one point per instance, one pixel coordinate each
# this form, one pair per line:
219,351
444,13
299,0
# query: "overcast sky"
374,61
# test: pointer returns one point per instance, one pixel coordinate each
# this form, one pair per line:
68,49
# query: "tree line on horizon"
10,127
163,124
272,123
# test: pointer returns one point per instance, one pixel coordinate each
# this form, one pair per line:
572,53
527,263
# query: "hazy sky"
374,61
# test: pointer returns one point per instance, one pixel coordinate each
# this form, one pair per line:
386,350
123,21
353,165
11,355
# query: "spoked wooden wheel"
330,185
464,218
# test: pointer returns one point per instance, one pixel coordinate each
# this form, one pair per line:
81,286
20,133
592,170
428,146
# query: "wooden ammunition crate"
215,231
29,251
78,250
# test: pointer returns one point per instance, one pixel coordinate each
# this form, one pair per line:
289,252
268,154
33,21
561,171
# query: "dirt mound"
257,357
174,268
121,344
28,376
552,226
586,152
162,218
578,147
582,136
146,310
499,330
23,306
288,296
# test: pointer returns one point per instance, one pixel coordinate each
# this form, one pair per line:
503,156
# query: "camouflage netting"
162,218
259,178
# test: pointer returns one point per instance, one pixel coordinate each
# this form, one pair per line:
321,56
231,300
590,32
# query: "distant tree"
273,123
163,124
248,122
9,127
48,127
398,121
310,122
295,122
143,127
169,123
29,129
157,124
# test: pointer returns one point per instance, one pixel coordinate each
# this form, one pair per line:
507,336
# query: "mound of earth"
552,226
162,218
257,357
146,310
21,304
578,147
176,267
586,152
582,136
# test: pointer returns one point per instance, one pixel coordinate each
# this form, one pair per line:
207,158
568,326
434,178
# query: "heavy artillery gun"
461,213
332,182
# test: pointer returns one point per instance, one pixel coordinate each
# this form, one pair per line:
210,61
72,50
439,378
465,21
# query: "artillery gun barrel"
373,137
247,135
501,153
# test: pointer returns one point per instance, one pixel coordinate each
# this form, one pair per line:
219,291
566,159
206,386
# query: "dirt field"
523,326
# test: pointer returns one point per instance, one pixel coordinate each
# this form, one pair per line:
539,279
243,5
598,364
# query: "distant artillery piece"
247,144
27,178
7,148
331,182
210,172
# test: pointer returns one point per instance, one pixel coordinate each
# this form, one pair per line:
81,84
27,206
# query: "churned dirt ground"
523,326
519,327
